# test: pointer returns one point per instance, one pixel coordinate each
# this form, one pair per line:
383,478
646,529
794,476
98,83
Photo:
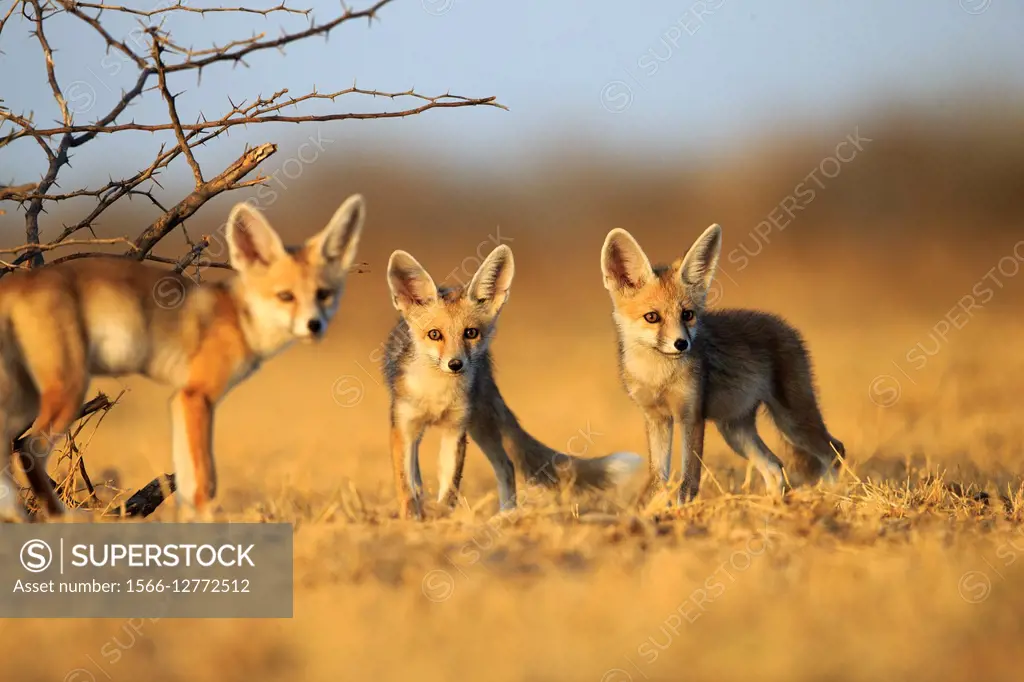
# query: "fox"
109,316
438,369
680,362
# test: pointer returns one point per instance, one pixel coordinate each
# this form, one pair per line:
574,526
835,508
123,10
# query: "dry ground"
898,572
891,575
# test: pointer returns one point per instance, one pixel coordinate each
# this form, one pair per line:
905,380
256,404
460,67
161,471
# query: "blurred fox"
62,324
438,369
680,362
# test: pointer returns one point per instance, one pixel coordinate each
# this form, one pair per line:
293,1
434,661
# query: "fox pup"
61,325
680,362
438,369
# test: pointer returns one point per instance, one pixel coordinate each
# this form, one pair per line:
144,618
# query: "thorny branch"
99,405
70,242
180,6
164,59
193,202
5,17
157,67
173,111
57,159
267,115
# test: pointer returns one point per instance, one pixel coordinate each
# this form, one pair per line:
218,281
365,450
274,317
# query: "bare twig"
97,407
126,99
51,74
17,192
261,110
57,159
180,6
36,205
69,242
286,39
72,8
172,111
4,18
84,133
25,123
146,500
99,403
190,204
188,259
445,101
193,254
115,190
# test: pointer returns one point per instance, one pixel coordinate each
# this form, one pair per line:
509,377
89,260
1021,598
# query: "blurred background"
866,161
662,117
665,116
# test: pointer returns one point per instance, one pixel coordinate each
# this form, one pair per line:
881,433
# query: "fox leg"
11,508
20,412
692,453
453,458
748,473
192,448
59,402
741,435
659,443
53,349
405,443
213,370
33,453
489,439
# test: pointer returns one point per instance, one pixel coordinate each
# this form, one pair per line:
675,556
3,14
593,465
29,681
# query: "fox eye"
434,335
323,294
471,333
286,296
653,317
687,315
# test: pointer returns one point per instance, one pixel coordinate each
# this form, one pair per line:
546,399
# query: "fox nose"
315,326
681,344
455,365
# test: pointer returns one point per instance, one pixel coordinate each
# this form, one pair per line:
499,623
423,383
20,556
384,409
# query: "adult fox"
61,325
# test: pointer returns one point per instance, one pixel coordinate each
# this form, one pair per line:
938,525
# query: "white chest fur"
433,396
659,382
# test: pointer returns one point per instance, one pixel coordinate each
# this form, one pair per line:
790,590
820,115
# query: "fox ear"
700,262
337,243
623,263
410,283
251,240
493,279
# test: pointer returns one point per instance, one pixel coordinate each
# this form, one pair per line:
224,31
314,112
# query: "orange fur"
683,363
438,368
61,325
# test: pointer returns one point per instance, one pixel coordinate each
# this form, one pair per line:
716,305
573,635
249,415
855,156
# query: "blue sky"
668,77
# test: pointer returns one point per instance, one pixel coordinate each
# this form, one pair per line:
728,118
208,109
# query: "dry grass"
854,582
902,569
